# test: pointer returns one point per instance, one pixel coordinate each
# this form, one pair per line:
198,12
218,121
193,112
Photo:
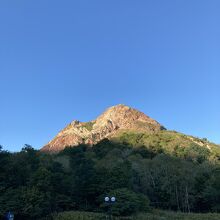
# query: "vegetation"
166,171
89,125
154,215
172,143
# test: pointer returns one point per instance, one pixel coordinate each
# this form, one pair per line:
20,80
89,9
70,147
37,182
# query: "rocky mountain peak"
114,119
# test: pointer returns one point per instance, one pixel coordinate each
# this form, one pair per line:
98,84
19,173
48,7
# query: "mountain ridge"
114,119
124,124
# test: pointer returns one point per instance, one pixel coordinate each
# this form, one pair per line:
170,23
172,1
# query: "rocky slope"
108,124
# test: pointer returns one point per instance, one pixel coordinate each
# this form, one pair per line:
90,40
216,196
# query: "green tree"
128,202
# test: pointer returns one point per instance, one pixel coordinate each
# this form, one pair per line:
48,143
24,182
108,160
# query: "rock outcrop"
113,120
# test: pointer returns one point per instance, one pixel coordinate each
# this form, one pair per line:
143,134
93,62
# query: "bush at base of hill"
128,202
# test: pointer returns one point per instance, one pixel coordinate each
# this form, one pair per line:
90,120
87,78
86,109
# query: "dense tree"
34,185
128,202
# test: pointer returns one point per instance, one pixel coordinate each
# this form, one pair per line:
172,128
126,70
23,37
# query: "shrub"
128,202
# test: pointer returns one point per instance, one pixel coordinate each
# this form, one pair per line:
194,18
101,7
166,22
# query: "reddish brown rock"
113,120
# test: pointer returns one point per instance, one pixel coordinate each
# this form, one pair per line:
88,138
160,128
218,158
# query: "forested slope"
166,171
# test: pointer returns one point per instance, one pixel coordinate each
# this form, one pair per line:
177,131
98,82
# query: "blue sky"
65,60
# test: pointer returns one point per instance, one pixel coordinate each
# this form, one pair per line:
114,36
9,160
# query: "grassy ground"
155,215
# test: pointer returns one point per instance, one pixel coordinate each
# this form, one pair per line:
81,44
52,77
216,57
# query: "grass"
170,142
88,125
164,215
154,215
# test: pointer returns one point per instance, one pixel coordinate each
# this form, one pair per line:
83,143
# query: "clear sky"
65,60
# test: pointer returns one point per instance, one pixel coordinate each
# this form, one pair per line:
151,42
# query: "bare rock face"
113,120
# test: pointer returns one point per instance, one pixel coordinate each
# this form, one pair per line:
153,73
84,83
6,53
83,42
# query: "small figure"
10,216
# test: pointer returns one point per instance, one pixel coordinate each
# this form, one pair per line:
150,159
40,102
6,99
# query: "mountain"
123,124
113,121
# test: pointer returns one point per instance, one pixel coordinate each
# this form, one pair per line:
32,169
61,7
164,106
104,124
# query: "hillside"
121,123
112,121
123,153
171,143
142,170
